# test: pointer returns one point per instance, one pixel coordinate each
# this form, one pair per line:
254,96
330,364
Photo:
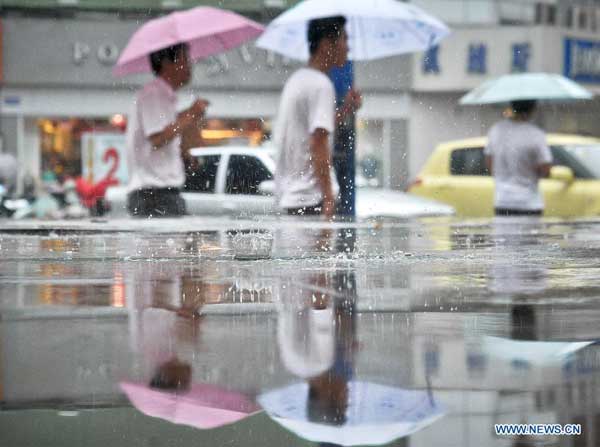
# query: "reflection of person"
166,324
154,137
172,375
328,392
523,322
517,156
306,121
317,342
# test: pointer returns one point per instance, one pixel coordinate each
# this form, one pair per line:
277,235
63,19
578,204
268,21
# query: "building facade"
57,84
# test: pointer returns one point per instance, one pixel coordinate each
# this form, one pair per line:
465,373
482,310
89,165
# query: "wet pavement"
191,332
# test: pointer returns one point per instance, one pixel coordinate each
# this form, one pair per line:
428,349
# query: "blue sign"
582,60
342,78
431,61
477,62
521,52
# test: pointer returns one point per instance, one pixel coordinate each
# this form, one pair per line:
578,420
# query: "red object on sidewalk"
91,193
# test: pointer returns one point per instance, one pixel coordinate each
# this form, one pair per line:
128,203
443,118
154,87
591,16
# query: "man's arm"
489,164
185,120
544,159
321,159
544,170
352,102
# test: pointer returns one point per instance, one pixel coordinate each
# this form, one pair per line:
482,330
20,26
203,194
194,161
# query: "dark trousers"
155,202
315,210
513,212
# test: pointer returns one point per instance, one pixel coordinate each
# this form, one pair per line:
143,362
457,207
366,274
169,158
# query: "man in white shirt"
307,118
517,156
154,155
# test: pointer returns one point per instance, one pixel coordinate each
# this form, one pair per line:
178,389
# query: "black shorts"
514,212
155,202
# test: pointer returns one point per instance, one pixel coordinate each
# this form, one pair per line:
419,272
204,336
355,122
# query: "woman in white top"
517,156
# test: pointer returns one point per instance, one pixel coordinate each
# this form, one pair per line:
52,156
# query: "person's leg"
169,203
142,203
134,199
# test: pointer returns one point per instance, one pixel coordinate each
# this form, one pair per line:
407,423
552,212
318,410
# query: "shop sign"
251,56
478,55
107,53
582,60
103,155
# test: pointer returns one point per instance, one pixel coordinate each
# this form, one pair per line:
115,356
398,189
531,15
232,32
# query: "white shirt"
306,341
155,108
307,104
517,150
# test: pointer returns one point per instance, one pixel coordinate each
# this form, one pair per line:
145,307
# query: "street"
494,320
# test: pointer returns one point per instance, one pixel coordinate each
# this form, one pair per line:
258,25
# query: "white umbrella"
376,414
376,28
526,86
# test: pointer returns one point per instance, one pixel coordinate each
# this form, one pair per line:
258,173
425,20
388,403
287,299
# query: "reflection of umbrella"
376,414
376,28
526,86
531,353
203,406
207,30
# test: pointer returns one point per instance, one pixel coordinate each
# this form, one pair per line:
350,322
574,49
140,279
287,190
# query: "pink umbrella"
207,30
203,406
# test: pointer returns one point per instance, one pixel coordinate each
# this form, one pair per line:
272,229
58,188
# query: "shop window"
241,132
545,14
468,162
582,18
203,177
568,20
61,142
244,174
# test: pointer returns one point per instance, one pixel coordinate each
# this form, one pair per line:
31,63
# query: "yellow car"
456,174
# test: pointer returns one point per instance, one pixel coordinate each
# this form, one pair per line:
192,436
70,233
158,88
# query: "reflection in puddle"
429,331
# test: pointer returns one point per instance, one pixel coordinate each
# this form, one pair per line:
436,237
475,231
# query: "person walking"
517,156
307,118
154,137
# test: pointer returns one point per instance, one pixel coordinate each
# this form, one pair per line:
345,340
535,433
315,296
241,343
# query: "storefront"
58,89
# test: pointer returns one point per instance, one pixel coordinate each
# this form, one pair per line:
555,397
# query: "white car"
238,181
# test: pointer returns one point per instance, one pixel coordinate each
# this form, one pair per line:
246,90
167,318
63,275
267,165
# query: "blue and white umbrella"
376,414
526,86
376,28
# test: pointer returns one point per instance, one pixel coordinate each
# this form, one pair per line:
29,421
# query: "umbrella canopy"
526,86
203,406
532,353
376,28
207,30
376,414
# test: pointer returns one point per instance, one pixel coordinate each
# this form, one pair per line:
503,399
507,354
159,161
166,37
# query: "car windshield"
585,158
